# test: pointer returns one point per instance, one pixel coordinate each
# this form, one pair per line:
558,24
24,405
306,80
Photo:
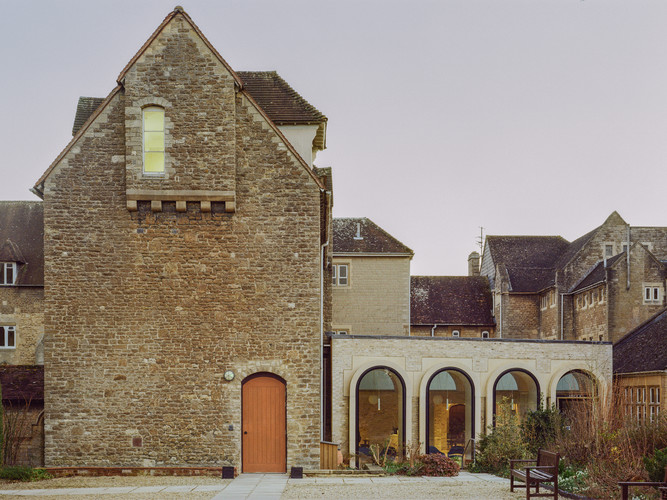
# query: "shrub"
541,427
502,444
572,479
437,464
22,473
655,465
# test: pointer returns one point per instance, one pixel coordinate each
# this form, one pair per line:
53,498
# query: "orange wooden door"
264,425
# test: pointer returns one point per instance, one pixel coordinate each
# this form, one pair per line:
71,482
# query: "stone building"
640,369
371,279
595,288
184,237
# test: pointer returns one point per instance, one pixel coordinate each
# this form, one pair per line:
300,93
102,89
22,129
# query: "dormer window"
153,139
7,273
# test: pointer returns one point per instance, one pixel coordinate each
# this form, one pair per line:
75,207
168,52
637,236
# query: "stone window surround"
651,289
137,111
4,267
4,335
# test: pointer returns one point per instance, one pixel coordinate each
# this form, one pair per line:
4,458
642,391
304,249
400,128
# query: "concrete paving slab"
209,487
148,489
178,489
118,490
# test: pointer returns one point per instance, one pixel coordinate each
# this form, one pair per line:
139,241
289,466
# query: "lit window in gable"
153,140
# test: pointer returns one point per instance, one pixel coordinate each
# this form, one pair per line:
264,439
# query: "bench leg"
511,482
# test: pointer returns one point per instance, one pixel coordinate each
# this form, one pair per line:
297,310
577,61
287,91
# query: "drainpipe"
322,247
433,330
561,315
627,260
500,313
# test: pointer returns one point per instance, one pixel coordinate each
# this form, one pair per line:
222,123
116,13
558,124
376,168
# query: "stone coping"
336,336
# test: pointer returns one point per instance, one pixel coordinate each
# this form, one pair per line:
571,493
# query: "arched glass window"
450,400
380,414
575,392
153,139
519,390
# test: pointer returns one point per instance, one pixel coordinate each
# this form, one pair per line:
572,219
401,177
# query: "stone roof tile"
22,383
643,349
450,300
362,235
22,239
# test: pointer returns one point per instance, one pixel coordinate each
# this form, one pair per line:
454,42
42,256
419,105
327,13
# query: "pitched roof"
644,349
526,251
450,300
22,383
530,279
596,274
372,238
22,239
85,108
280,101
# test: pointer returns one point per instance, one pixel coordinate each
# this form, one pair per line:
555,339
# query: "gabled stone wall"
146,310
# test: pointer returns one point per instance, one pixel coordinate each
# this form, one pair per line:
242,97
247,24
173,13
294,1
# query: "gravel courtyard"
269,486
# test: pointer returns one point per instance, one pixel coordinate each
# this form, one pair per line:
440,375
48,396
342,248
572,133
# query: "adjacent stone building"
596,288
640,369
370,278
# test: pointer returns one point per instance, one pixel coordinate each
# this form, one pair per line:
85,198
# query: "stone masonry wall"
146,311
377,299
590,314
521,316
23,307
446,331
627,308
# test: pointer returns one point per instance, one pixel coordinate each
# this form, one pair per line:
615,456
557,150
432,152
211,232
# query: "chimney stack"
473,264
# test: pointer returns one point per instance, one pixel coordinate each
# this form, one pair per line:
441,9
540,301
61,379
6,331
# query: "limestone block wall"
446,331
590,314
145,311
549,317
521,316
377,299
627,308
23,308
417,359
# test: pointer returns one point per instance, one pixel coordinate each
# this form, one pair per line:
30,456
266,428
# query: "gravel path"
466,485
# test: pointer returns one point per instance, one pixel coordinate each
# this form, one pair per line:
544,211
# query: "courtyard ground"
264,487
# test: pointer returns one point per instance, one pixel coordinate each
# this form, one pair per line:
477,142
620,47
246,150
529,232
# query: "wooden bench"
545,470
662,487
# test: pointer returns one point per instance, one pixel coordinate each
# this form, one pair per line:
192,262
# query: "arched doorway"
519,390
263,416
380,415
575,393
450,419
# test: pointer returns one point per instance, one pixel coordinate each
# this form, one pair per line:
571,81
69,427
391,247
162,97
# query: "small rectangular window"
485,335
456,333
609,250
652,294
340,274
7,273
7,337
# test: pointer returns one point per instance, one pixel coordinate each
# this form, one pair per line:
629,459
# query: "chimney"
473,264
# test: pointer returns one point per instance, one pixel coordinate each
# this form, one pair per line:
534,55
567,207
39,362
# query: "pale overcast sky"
525,117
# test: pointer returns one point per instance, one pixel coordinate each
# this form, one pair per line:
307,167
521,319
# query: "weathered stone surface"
146,310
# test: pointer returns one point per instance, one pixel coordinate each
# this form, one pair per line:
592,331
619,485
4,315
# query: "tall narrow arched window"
516,391
380,414
153,139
